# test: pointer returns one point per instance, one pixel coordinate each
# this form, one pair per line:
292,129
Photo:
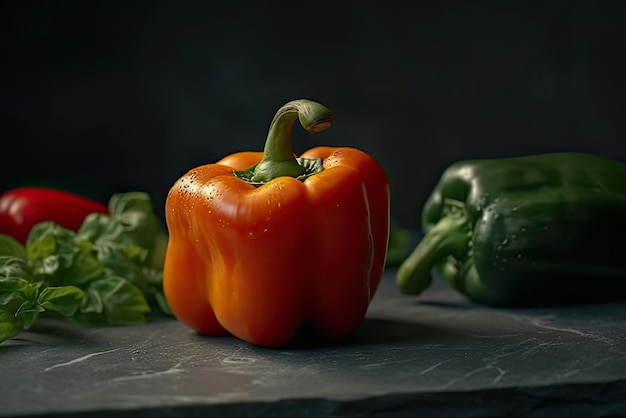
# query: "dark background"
102,97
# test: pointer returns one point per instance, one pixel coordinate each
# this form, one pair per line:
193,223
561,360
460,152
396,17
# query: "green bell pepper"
536,230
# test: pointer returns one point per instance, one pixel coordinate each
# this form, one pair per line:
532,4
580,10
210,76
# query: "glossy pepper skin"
24,207
257,253
525,231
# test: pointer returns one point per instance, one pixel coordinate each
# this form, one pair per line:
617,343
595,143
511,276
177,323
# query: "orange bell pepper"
262,243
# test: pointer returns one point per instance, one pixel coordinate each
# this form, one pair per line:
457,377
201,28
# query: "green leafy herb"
109,272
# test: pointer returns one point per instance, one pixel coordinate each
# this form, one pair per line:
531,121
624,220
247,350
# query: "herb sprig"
109,272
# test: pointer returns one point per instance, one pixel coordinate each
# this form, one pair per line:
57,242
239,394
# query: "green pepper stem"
278,159
447,237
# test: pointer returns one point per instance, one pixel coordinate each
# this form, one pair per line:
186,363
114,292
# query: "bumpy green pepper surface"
536,230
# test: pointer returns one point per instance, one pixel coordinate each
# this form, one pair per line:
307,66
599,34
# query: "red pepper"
23,208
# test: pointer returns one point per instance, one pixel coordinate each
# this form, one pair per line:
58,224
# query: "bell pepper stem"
278,159
448,237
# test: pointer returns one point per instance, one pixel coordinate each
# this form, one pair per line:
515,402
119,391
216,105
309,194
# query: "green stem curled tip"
278,159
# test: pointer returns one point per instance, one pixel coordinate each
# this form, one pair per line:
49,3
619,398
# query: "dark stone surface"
434,355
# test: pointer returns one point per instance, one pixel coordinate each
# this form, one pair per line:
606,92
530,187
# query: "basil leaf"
131,220
142,227
85,268
164,307
122,303
16,289
28,313
14,267
41,242
93,226
10,326
92,302
29,306
50,248
11,246
64,299
121,203
18,308
125,261
54,251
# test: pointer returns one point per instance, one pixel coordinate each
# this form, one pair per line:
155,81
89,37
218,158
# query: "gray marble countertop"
436,354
